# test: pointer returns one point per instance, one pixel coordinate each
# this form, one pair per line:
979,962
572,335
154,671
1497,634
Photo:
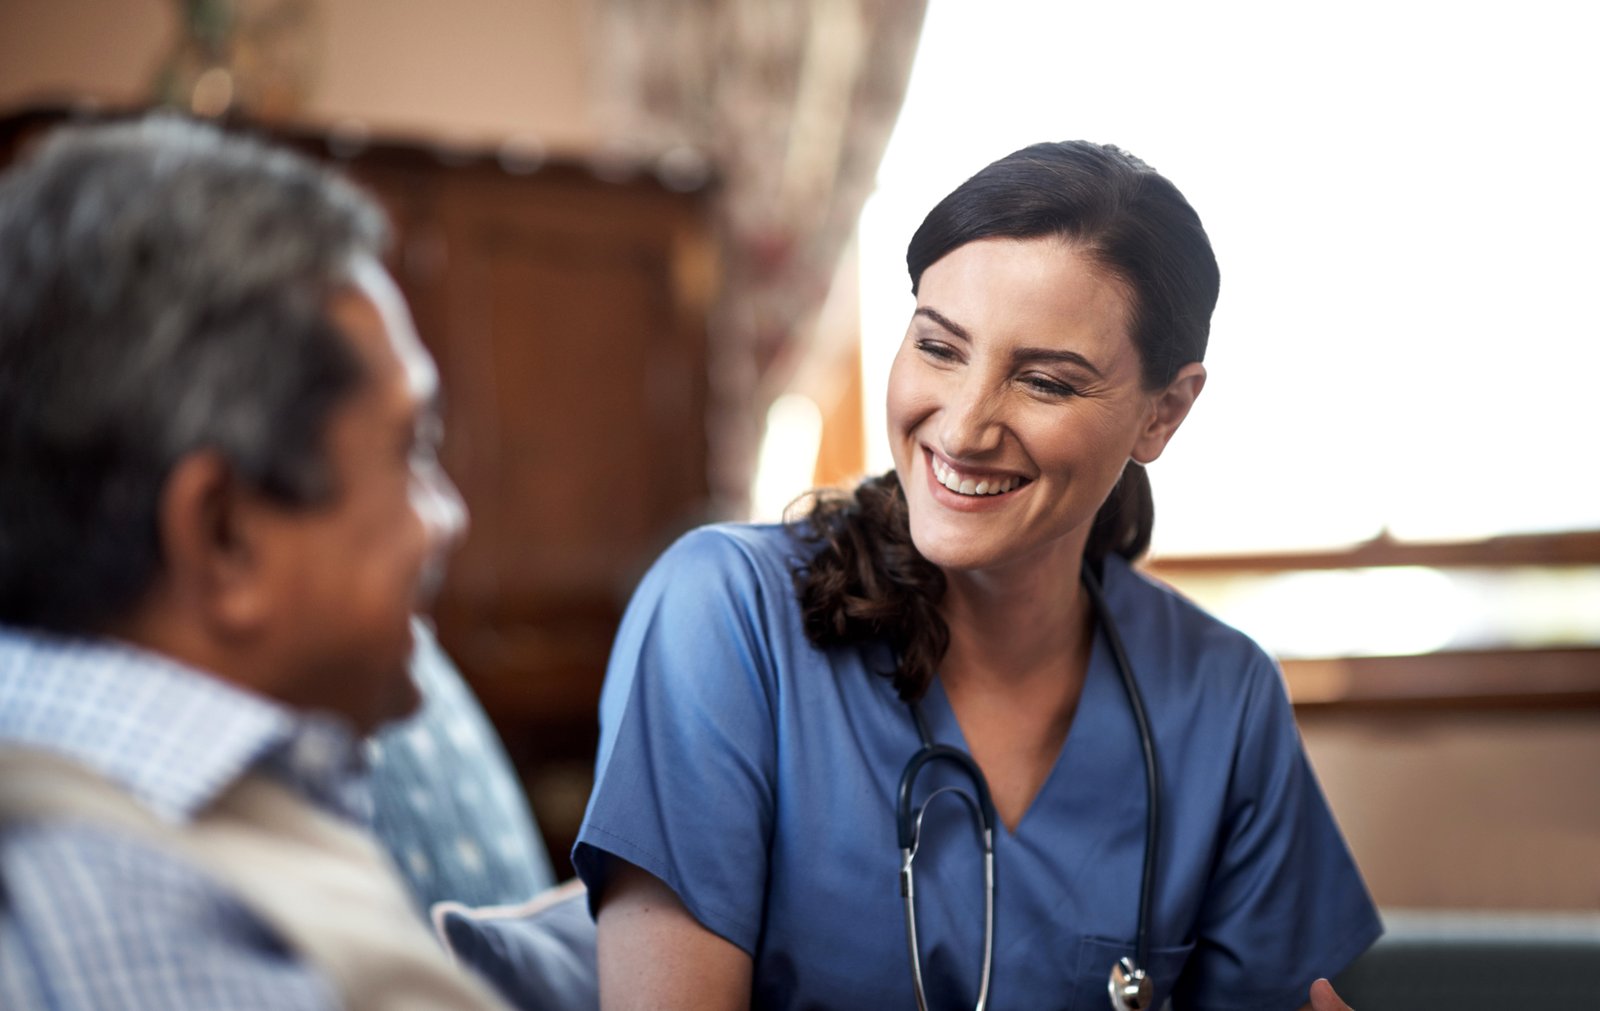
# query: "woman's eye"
1050,386
935,349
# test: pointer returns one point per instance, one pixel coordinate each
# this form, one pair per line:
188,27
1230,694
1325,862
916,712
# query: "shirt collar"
174,737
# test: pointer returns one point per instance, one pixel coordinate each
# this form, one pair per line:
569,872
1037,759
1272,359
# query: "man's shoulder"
93,916
172,736
75,877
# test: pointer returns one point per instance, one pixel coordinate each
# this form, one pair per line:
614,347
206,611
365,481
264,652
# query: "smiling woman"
1149,820
1009,433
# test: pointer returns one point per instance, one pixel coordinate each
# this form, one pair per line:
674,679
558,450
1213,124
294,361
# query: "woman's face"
1014,402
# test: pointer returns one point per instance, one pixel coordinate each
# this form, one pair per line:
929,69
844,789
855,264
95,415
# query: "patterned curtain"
791,103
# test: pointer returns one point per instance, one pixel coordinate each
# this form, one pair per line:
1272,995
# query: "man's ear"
1168,409
210,553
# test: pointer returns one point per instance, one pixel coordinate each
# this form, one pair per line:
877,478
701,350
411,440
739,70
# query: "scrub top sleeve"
1285,903
684,780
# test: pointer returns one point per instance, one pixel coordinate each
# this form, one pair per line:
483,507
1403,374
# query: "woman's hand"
1324,999
654,954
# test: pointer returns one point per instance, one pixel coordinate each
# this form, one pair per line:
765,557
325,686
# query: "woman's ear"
211,559
1167,410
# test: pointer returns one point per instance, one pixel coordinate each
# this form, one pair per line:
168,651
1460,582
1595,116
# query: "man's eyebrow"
1020,355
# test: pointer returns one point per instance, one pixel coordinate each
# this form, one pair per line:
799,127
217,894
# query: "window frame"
1564,677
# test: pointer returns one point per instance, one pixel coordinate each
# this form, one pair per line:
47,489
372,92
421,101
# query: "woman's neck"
1010,630
1014,672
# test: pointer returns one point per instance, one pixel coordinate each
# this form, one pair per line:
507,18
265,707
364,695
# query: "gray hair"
163,289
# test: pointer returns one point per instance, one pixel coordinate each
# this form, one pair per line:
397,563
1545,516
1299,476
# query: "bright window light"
1402,200
788,456
1398,610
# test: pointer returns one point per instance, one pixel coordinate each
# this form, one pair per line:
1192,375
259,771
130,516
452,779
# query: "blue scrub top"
756,776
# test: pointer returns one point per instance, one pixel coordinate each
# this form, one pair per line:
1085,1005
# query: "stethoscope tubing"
908,828
908,825
1152,770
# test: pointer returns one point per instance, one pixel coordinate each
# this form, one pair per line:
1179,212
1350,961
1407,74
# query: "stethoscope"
1129,986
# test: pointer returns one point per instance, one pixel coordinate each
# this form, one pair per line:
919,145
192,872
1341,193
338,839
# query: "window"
1401,197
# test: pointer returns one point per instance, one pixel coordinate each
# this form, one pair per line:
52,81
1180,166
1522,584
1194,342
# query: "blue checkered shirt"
92,919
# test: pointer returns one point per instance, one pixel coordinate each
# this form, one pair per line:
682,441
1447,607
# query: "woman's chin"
956,550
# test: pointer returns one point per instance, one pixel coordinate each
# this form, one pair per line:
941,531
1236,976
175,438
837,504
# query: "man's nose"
439,504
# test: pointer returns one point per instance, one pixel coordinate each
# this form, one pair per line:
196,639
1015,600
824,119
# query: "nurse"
768,682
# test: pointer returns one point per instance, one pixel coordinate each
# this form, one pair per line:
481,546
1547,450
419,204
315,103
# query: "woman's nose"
972,423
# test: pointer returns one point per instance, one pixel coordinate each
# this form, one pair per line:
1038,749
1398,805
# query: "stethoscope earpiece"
1130,988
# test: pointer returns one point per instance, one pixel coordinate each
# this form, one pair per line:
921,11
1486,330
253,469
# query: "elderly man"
219,507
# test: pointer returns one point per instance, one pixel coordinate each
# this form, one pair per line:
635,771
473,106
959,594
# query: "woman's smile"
970,487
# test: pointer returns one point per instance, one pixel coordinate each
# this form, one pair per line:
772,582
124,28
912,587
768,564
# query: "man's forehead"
371,283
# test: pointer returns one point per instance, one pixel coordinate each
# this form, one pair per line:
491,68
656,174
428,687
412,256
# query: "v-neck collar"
1084,738
1090,806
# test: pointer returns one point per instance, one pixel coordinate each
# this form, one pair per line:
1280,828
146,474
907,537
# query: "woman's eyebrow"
944,321
1020,355
1053,356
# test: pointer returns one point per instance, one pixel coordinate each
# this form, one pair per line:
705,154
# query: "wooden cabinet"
568,317
571,341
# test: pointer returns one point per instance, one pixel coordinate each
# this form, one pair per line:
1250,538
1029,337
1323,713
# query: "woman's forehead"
1027,289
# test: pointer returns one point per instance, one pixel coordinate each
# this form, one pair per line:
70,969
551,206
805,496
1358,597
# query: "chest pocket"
1096,956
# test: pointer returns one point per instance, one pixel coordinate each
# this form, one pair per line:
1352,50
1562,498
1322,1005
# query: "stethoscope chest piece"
1130,988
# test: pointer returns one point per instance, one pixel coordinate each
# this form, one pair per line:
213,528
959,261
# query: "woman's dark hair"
868,581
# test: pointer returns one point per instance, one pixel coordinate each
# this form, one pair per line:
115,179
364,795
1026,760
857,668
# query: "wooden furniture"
568,316
567,309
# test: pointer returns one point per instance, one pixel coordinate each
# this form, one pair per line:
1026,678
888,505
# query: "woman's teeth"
966,486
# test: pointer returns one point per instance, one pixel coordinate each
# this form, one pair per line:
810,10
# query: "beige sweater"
322,884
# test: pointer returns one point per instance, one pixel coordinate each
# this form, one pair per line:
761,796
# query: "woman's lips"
972,486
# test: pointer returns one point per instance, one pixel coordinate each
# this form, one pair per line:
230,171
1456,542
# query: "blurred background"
657,249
